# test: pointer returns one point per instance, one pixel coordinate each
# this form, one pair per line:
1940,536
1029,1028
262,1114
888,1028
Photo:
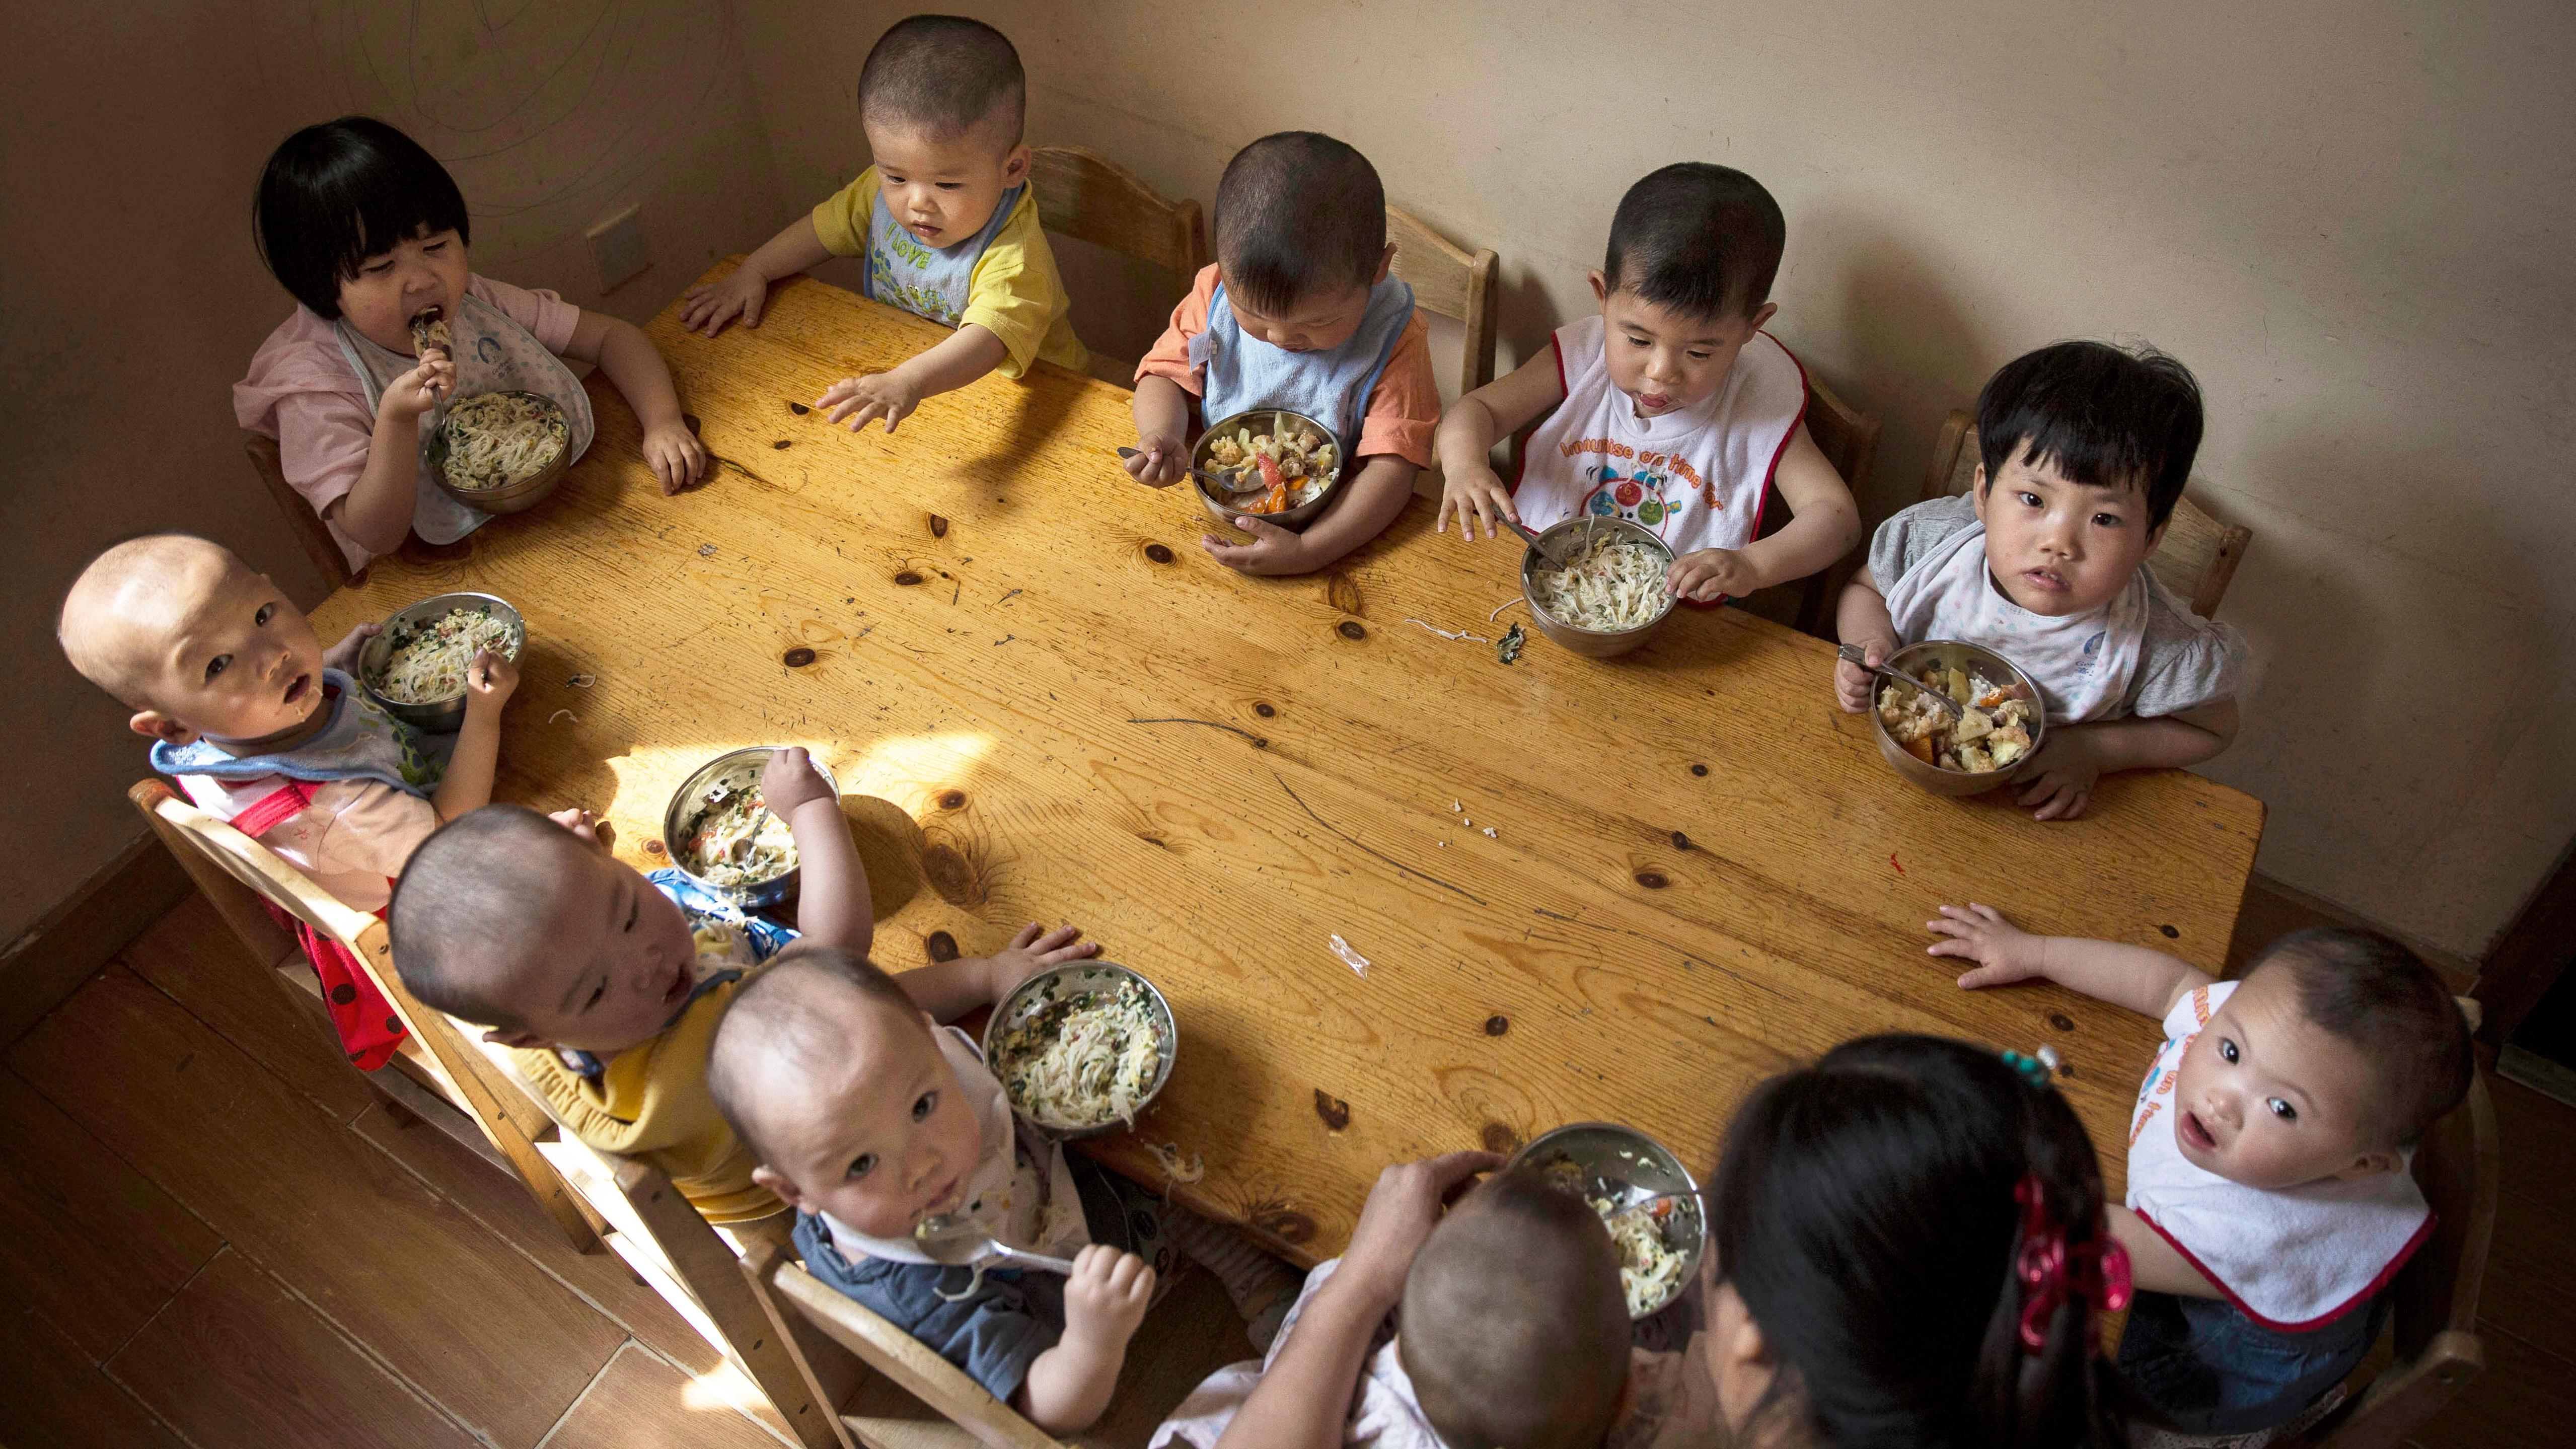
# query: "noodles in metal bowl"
1643,1195
499,439
1082,1048
722,833
415,664
1610,597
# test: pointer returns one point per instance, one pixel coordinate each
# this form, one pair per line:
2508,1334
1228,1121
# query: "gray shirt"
2184,662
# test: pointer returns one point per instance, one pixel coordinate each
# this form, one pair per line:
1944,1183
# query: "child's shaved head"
124,606
945,76
1514,1327
1299,215
790,1026
471,905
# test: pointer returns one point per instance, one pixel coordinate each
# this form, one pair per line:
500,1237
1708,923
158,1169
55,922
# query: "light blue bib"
1242,372
361,742
926,281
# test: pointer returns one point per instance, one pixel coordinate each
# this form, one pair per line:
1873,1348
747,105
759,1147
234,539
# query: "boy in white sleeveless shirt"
1299,312
1672,409
2084,451
945,217
2269,1203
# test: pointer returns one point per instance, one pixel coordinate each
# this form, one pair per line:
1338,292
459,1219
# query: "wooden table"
1056,706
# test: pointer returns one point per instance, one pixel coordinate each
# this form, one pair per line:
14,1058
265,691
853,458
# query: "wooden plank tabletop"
1048,702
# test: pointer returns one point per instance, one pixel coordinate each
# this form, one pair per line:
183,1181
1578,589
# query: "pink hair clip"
2051,1270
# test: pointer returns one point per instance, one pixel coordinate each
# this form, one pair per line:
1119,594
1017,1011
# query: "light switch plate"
617,246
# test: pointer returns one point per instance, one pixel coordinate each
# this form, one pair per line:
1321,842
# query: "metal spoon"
1226,485
1558,554
1860,656
957,1241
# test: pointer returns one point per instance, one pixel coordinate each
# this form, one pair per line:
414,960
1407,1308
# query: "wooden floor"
213,1234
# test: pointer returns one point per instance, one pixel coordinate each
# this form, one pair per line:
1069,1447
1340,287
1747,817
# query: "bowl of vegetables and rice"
723,835
1610,597
1287,464
2001,722
1083,1048
500,452
414,666
1643,1195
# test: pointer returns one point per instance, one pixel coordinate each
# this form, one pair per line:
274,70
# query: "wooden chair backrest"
789,1293
2436,1319
310,531
1453,282
2196,558
1085,195
237,873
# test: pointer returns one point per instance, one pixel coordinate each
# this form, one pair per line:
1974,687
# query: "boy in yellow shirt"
607,983
945,218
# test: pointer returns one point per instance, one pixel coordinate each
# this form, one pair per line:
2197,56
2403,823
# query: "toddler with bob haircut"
1671,408
265,730
2269,1201
1297,312
2084,448
944,215
368,233
607,984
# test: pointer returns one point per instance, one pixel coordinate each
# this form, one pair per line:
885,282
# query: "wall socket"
617,245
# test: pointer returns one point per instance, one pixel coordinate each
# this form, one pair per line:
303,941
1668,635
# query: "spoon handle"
1860,656
1013,1258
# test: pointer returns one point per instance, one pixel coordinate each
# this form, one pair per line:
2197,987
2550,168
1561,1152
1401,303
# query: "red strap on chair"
369,1030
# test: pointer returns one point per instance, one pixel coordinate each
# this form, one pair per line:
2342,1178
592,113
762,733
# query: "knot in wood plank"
1351,629
798,657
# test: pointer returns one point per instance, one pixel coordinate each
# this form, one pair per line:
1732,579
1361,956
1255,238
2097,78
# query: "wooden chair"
1087,196
307,525
1453,282
2436,1318
597,1199
2196,558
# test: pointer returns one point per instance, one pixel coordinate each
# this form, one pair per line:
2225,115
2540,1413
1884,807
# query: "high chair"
310,531
2196,558
1091,198
597,1199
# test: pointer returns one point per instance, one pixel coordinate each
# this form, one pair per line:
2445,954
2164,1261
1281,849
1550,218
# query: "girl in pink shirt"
368,231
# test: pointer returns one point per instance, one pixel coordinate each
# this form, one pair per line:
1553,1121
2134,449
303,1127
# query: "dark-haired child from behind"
1671,408
367,231
2269,1203
1298,312
2084,448
943,215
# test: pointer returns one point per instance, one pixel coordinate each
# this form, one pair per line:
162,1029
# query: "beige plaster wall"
131,297
2350,219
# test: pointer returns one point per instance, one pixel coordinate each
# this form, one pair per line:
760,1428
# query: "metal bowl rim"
1690,1184
2038,737
671,823
1217,429
1530,558
1170,1053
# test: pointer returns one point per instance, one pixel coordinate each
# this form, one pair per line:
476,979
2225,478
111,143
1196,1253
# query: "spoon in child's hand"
1225,485
1857,655
958,1241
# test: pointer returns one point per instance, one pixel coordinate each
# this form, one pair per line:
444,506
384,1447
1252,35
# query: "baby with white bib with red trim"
2269,1201
1672,409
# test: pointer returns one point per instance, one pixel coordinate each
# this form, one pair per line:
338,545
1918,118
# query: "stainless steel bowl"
1033,995
1976,660
527,493
442,716
685,808
1264,420
1627,1166
1594,642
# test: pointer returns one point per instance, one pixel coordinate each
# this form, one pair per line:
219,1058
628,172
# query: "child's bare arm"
832,906
1470,490
1368,503
1824,526
1162,409
2062,775
1104,1300
971,352
377,509
744,291
635,365
2144,981
467,785
950,989
1861,618
2153,1263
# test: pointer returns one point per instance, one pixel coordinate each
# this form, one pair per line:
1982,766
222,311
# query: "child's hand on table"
1273,550
1853,684
490,681
790,780
1711,574
1160,460
343,656
740,293
1472,495
863,400
2060,776
1033,950
588,827
2004,952
677,457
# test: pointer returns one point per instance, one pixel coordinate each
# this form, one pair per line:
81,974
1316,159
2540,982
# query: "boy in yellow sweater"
945,218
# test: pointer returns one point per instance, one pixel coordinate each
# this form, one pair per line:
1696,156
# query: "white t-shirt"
2292,1259
1696,476
1021,1189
